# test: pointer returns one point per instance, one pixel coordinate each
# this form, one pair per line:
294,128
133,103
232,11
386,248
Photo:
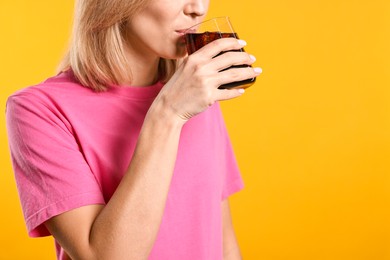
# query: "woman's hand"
194,86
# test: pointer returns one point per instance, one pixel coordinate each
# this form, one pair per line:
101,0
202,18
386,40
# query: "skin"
127,226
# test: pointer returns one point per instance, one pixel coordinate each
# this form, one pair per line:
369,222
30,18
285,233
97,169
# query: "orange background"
312,136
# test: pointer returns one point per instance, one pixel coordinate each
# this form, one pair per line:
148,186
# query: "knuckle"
194,65
209,99
194,62
245,58
190,60
236,74
200,81
247,72
216,43
252,72
230,54
197,67
249,58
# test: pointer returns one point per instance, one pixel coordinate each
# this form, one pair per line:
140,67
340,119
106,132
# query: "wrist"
162,112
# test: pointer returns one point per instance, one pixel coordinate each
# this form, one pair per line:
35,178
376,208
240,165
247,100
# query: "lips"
181,32
184,31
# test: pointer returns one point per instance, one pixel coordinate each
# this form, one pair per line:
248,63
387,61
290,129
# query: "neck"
144,68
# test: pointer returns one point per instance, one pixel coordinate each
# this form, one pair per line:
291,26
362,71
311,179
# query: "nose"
196,8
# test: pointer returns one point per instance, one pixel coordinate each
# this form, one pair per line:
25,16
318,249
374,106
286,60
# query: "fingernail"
242,42
252,57
241,91
258,70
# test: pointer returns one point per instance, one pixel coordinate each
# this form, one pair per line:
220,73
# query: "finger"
230,58
226,94
221,45
237,74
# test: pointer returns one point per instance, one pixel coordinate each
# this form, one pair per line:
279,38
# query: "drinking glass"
203,33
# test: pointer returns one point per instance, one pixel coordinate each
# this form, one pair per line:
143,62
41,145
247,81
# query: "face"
158,29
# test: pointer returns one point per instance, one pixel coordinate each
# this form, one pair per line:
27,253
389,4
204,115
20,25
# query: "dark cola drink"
195,41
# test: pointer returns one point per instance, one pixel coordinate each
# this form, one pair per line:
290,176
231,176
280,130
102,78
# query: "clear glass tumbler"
203,33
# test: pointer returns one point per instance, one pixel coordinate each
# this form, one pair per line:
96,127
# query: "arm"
127,226
134,212
231,250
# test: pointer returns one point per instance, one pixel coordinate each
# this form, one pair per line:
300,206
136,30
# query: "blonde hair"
96,53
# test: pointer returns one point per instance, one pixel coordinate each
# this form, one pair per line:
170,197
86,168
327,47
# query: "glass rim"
226,18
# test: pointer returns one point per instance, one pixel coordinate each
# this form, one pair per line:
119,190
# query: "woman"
124,154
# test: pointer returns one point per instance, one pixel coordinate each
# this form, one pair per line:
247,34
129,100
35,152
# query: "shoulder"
50,92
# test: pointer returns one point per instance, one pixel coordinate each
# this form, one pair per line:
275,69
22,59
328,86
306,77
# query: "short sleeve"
51,173
233,181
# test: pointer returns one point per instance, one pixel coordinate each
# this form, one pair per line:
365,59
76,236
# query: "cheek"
154,30
143,31
151,26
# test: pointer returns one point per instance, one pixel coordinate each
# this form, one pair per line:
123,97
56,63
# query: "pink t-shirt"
70,147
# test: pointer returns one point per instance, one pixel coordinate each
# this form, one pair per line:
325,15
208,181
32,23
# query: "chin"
181,51
181,55
177,53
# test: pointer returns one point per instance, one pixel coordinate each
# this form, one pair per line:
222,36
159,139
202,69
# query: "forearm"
232,254
231,249
128,224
